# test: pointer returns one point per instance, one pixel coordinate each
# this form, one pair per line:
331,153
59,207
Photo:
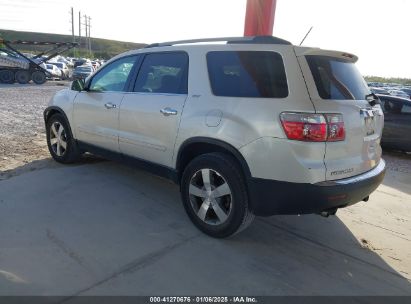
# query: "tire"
38,77
23,77
218,208
62,146
7,76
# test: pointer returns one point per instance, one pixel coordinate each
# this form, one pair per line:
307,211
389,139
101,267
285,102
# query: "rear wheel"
38,77
7,76
22,77
214,195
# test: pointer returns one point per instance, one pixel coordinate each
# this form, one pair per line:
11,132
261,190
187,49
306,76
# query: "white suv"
255,126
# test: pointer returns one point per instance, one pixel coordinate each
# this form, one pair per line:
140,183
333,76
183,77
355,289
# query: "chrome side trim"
153,94
352,180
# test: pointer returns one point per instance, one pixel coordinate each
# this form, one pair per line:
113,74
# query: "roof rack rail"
230,40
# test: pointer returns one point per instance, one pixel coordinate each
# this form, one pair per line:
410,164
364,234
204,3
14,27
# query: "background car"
82,72
406,90
81,61
95,64
379,91
399,93
54,71
397,122
65,71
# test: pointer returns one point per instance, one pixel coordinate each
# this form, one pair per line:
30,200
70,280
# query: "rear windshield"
337,79
247,74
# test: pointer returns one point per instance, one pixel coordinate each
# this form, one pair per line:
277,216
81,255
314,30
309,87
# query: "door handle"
168,111
110,105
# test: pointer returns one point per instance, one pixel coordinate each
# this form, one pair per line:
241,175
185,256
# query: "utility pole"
72,28
89,35
79,28
72,24
85,23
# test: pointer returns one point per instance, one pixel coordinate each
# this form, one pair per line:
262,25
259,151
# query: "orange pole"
259,17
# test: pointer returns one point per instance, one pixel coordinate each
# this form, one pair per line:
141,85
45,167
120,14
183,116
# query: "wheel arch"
197,146
51,110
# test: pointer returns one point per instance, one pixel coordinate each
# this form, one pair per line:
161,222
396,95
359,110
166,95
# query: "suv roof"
230,40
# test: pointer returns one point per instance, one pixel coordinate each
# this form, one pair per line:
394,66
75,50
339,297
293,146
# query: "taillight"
304,126
336,129
313,127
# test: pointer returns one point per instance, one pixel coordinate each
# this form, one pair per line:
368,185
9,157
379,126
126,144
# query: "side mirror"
78,85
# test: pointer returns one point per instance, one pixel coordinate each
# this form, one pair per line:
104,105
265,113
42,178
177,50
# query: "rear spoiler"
303,51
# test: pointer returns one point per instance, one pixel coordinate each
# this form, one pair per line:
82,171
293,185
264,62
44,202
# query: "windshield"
337,79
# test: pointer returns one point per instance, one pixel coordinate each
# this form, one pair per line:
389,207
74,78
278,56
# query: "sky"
377,31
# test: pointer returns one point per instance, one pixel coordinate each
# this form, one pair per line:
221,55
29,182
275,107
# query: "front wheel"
62,146
214,195
7,76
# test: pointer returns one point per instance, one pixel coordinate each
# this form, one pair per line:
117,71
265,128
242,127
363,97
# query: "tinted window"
163,73
395,106
113,77
247,74
337,79
406,109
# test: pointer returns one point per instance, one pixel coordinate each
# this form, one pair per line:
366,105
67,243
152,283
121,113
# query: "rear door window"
337,79
247,74
163,73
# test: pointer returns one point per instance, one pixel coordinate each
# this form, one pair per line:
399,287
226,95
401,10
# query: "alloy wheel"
58,139
210,196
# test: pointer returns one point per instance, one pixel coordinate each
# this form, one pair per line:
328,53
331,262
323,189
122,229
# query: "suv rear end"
326,154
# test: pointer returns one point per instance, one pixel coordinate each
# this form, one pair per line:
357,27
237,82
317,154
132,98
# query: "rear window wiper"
372,99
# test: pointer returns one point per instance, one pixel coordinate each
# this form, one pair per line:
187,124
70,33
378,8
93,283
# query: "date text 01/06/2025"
202,299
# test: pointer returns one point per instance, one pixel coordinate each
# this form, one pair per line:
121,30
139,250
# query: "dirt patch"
22,132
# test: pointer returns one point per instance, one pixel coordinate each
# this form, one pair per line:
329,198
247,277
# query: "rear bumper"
269,197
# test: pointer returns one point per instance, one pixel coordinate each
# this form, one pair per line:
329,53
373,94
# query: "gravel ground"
22,133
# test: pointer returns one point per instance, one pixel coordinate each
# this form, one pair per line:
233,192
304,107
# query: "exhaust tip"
365,199
327,213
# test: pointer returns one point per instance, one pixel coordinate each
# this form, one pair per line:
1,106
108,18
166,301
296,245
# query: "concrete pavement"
100,228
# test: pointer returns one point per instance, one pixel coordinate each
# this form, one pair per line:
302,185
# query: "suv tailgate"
336,86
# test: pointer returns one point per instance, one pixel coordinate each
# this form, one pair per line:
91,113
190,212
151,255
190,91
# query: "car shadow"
109,217
47,163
